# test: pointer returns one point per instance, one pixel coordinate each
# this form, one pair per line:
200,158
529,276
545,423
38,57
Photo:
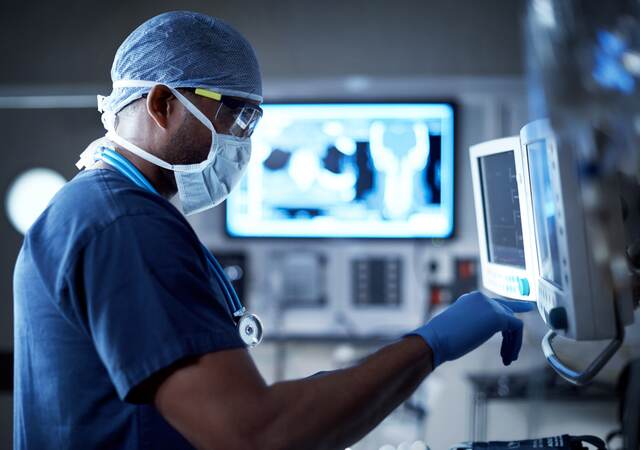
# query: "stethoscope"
249,325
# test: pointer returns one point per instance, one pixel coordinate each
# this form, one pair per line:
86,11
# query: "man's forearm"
219,400
337,408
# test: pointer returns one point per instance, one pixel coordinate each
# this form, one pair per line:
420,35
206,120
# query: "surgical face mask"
204,185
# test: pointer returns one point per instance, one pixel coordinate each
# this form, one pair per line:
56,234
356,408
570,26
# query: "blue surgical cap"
185,49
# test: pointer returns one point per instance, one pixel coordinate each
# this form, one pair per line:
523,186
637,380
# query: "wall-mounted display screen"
357,170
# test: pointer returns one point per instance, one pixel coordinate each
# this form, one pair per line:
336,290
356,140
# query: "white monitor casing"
507,281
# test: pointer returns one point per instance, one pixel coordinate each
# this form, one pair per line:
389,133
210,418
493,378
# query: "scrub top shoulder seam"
103,228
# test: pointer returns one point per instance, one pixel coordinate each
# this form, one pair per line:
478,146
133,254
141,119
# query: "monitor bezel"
327,101
492,272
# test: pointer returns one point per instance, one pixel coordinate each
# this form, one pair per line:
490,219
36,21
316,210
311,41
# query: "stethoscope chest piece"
250,329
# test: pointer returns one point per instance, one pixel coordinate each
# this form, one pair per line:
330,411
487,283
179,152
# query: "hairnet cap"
185,49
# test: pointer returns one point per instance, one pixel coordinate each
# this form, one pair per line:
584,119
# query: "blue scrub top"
110,287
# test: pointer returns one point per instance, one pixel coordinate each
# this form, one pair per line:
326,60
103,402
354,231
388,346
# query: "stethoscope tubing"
127,169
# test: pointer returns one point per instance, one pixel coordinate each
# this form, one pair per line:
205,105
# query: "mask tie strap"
113,136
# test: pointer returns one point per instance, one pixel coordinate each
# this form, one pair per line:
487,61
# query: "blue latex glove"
469,322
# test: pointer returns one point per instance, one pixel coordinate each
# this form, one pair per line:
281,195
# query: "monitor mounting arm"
585,376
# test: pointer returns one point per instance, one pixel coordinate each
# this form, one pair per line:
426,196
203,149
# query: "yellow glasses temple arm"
209,94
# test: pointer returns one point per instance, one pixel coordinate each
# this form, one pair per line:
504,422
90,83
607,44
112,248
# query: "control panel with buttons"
507,285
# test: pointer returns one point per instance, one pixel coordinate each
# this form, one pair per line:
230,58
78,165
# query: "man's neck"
161,179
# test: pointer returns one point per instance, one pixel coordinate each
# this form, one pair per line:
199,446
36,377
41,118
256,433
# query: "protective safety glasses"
234,116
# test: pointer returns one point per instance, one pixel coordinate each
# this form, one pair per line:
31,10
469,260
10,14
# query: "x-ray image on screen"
348,170
503,222
544,212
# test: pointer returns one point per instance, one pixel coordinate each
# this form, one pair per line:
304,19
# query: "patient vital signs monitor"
534,233
355,170
507,251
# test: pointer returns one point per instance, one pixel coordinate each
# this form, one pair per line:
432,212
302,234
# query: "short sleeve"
151,299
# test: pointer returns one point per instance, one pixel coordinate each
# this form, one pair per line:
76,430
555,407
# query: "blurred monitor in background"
362,170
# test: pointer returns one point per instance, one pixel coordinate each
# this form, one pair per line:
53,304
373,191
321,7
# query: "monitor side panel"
572,298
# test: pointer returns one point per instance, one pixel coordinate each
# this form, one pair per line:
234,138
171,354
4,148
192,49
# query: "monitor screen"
360,170
544,212
503,222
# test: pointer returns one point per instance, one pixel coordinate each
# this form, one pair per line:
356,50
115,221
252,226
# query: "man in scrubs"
124,335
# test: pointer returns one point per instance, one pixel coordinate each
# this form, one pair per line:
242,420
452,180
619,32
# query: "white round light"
29,194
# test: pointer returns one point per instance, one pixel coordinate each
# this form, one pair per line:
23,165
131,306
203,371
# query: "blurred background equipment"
583,63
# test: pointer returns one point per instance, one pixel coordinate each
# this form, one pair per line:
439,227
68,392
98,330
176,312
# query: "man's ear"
160,105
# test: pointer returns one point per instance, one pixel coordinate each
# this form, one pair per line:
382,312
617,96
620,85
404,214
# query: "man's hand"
469,322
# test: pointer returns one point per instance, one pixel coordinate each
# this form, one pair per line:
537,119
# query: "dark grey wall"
74,41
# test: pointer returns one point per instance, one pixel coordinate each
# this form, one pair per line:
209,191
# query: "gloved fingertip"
517,306
517,344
